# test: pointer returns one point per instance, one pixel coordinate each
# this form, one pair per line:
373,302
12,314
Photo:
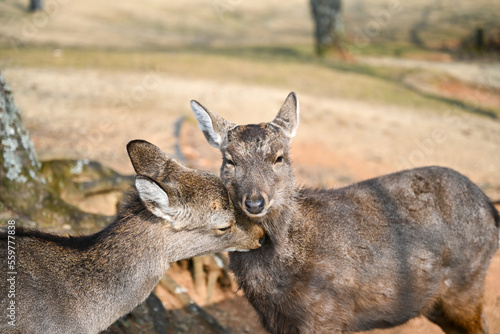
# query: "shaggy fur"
371,255
83,284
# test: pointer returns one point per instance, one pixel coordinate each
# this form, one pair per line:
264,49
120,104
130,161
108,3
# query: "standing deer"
371,255
83,284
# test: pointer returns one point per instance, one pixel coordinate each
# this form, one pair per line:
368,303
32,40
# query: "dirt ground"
74,114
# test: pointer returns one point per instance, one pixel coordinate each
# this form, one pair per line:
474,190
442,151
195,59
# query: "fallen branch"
83,177
103,185
189,305
157,311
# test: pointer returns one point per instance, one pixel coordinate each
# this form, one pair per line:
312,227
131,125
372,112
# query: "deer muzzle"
255,205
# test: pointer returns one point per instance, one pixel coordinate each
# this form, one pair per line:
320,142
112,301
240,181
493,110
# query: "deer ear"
154,197
288,116
213,126
147,158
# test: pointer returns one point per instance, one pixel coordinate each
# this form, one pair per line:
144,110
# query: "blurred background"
383,85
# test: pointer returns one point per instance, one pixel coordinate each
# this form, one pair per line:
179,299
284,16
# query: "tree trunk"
329,25
23,188
35,5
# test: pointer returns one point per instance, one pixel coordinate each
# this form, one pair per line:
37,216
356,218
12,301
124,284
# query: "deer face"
190,202
256,167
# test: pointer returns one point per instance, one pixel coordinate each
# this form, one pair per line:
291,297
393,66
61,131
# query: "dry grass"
327,78
156,24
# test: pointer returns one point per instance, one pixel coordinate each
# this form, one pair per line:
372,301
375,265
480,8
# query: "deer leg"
437,316
469,319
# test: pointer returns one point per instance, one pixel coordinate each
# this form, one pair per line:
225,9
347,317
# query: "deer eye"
224,229
230,162
279,159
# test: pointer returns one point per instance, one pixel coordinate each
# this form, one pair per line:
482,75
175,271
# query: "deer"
82,284
369,255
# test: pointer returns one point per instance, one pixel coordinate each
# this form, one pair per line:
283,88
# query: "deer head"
189,201
256,167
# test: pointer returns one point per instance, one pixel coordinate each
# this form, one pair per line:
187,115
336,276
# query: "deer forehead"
202,189
252,138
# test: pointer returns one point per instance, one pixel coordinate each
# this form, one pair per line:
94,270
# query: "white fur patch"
235,249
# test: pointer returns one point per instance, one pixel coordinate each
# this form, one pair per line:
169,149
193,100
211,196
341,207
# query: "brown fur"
83,284
371,255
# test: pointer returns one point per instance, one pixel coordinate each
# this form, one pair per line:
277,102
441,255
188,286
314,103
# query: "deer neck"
278,222
126,262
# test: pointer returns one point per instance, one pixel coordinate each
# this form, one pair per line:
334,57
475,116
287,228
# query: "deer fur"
83,284
371,255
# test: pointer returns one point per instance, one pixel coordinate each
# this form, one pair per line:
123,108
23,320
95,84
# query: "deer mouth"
258,244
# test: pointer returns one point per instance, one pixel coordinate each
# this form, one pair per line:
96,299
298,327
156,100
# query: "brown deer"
371,255
62,285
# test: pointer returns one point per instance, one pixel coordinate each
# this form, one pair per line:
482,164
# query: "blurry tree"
30,188
35,5
329,25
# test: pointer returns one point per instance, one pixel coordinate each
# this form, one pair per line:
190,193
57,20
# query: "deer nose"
255,206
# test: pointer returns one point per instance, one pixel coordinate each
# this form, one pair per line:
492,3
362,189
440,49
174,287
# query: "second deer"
62,285
371,255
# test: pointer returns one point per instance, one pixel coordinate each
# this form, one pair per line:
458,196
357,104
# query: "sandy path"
481,74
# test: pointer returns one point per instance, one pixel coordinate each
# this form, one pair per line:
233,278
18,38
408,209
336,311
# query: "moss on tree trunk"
23,188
